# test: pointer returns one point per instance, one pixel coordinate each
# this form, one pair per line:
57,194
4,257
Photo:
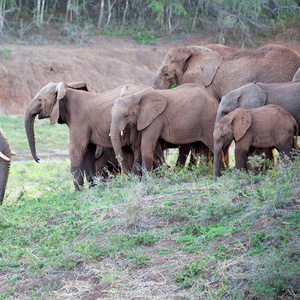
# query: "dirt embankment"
104,64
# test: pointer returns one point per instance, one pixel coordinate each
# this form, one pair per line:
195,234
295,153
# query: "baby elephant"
269,126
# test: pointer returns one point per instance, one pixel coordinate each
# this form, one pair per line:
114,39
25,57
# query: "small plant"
189,274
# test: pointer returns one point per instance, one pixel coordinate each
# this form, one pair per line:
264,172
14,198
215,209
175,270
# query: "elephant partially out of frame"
221,69
179,116
5,162
88,116
252,95
270,126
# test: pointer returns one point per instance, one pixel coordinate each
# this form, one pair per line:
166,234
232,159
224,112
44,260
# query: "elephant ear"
198,64
82,85
152,104
60,92
241,122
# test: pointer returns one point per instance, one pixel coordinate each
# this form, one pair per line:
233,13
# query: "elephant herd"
224,94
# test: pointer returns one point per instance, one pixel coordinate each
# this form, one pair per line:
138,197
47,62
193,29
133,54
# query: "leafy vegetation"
232,21
177,233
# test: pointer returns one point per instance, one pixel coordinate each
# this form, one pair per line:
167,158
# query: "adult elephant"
88,116
221,69
5,161
252,95
179,116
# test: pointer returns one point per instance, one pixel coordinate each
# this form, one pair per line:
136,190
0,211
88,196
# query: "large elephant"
254,95
88,116
270,126
179,116
222,69
5,161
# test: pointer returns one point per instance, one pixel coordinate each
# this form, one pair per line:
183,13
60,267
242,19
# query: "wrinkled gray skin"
88,116
5,162
252,95
221,69
270,126
179,116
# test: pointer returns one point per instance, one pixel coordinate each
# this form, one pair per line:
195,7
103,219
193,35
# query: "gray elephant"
270,126
5,162
179,116
221,69
254,95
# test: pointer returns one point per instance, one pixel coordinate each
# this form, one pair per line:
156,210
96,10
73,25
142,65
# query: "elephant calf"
269,126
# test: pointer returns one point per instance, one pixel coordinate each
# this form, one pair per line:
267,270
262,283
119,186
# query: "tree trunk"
101,14
124,15
67,12
196,15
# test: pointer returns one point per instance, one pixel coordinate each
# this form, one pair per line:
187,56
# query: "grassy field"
177,234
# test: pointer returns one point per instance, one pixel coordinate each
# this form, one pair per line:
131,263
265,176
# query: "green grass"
49,139
177,233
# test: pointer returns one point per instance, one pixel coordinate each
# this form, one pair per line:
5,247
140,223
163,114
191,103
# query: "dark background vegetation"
239,22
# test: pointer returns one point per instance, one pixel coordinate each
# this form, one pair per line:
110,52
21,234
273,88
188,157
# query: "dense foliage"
232,20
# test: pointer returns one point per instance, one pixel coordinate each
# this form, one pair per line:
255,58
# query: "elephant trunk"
116,142
4,165
217,162
29,127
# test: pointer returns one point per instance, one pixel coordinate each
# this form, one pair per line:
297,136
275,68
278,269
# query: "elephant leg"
184,151
89,163
225,160
241,156
199,149
77,177
77,163
148,145
137,162
158,159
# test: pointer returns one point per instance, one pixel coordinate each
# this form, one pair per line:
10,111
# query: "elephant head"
297,75
46,105
247,96
5,161
138,109
232,127
192,64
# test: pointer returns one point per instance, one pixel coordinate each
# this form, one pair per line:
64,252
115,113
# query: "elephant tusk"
109,134
13,153
122,132
4,157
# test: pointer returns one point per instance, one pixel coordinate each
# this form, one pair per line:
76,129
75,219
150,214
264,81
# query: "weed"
189,274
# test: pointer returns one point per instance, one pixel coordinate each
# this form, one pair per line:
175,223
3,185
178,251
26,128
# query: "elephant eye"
39,100
166,74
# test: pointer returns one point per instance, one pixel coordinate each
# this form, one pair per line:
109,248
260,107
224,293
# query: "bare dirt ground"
105,63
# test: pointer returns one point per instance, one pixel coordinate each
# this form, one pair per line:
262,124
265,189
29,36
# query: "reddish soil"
104,64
